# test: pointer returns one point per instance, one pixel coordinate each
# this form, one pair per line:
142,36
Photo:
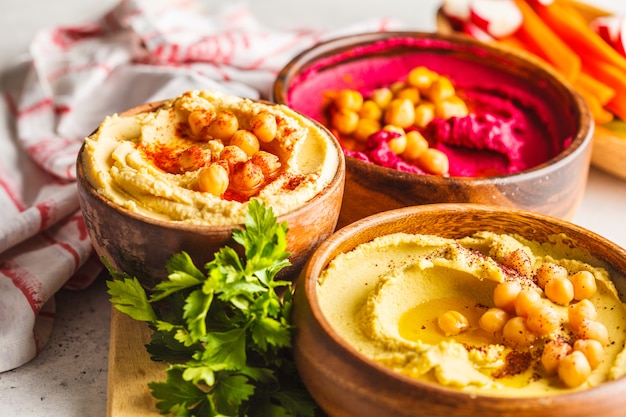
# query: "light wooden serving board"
130,369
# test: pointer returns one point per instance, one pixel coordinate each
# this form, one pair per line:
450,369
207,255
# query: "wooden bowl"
345,383
139,245
608,147
554,187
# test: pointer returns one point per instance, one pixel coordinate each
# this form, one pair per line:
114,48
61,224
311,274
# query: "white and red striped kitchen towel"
141,51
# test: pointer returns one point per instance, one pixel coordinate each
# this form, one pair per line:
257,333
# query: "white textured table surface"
69,377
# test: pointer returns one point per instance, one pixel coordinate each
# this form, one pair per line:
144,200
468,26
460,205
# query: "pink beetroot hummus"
516,121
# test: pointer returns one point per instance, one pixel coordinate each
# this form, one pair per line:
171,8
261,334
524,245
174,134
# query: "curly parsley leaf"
225,331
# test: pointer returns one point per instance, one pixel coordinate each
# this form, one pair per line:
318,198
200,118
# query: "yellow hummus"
385,296
135,160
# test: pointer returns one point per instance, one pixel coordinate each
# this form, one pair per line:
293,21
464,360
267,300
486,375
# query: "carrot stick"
598,112
539,36
513,42
603,92
615,78
566,22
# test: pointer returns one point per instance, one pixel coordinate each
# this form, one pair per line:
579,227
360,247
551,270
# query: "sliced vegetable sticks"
589,83
615,78
599,113
567,23
540,37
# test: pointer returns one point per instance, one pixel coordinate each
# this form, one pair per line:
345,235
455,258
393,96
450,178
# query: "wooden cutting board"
130,369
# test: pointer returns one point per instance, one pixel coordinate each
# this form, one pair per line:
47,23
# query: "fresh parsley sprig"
225,332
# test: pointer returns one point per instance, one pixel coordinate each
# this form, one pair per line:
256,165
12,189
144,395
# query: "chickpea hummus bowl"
463,309
178,175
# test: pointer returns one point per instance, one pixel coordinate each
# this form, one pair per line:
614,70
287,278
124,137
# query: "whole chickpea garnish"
264,126
193,158
246,178
224,125
213,179
268,162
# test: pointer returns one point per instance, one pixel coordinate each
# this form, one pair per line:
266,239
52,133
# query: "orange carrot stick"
539,36
566,22
598,112
615,78
586,82
513,42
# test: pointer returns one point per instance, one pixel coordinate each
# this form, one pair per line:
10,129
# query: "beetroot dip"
516,120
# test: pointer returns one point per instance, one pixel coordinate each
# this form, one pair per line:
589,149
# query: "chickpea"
574,369
526,301
452,323
441,89
365,128
247,177
213,179
517,334
264,126
400,112
424,114
345,121
382,97
268,162
410,93
193,158
416,144
593,350
493,320
434,161
397,145
422,78
504,295
246,141
394,128
349,100
520,261
199,121
396,86
449,107
549,270
591,329
576,313
370,110
223,126
553,352
584,285
560,291
543,320
233,155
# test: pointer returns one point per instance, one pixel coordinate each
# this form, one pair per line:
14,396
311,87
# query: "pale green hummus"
384,298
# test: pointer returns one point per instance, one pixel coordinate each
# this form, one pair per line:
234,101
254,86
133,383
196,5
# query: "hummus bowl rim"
579,143
344,240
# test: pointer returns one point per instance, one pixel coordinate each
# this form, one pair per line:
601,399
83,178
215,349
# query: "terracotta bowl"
553,187
139,245
346,383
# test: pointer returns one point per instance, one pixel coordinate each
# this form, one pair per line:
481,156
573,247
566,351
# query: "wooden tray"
608,149
130,369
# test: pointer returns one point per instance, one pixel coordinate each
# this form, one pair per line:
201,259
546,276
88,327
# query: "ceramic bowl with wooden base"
553,186
346,382
139,245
